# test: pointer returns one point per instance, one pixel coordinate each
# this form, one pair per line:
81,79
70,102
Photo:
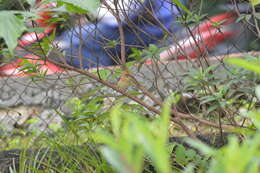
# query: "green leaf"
255,2
153,146
183,7
180,155
104,73
165,117
190,154
116,160
205,149
11,28
257,91
31,2
116,120
136,54
255,116
88,5
112,44
254,67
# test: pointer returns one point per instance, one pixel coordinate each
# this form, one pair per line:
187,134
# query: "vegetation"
122,132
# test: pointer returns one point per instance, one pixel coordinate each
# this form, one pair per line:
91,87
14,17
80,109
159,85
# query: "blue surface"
93,47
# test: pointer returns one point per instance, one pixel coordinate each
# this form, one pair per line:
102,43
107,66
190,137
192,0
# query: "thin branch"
123,92
255,21
121,32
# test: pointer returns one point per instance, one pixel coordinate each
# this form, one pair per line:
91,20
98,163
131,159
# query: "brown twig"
123,92
151,108
116,14
255,21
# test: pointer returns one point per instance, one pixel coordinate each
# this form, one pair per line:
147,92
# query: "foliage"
129,142
245,155
11,27
81,5
125,152
215,90
12,24
127,138
255,2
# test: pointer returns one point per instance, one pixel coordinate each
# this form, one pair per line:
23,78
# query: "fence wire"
35,104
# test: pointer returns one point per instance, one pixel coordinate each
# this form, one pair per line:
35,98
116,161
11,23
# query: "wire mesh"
35,104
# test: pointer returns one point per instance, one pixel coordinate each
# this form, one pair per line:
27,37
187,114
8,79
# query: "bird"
125,80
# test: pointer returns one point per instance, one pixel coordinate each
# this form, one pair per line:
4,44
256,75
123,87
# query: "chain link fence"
39,104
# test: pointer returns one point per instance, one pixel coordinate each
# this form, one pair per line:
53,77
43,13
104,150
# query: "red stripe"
206,35
32,37
222,19
12,69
